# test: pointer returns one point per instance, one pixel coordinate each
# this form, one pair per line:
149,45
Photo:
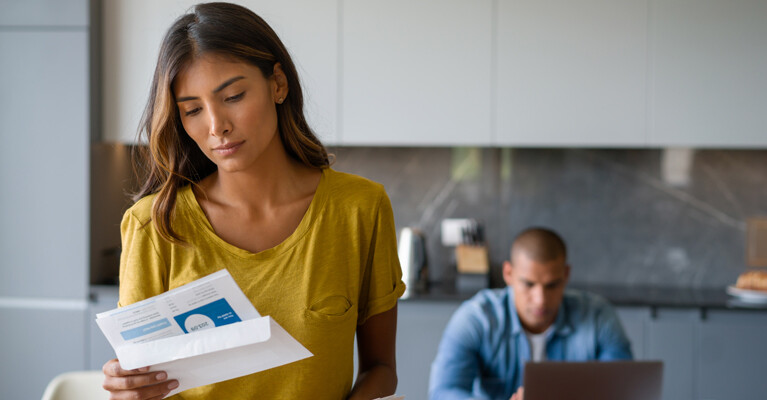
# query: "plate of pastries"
751,287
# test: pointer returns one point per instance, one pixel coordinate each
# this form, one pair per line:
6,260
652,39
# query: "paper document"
204,332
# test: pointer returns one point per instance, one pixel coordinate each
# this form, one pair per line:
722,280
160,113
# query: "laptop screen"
593,380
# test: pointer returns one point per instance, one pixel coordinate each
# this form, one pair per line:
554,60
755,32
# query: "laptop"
593,380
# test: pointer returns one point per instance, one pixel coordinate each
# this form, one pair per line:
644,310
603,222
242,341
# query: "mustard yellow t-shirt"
337,269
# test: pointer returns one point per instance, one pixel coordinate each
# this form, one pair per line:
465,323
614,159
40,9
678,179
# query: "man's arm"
457,363
613,344
376,339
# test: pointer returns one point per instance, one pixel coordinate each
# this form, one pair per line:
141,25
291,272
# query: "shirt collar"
562,325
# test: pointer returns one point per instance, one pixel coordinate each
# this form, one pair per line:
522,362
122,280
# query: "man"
490,337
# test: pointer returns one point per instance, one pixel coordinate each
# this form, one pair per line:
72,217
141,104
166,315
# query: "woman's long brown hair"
172,159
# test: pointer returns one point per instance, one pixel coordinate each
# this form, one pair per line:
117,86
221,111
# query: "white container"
412,258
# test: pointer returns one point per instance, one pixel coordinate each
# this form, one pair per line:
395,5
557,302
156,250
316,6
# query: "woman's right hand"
135,384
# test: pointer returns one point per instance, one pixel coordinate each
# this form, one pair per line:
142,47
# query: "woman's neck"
277,179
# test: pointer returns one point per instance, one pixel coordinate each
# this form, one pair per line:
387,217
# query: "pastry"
752,280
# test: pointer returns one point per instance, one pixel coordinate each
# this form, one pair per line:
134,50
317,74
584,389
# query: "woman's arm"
377,375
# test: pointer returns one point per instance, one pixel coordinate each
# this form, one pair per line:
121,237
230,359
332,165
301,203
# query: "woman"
236,179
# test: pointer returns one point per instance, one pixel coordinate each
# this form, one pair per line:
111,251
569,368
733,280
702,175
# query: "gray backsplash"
630,217
673,218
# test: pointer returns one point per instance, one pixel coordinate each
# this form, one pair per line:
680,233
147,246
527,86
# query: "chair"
78,385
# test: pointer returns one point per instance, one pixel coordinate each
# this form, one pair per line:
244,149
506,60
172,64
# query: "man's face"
538,289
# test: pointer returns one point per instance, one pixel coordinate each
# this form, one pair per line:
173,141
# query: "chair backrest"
79,385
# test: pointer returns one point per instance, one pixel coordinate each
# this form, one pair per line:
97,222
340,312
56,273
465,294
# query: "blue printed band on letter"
145,329
219,311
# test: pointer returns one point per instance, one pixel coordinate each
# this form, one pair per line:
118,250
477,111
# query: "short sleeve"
142,269
382,280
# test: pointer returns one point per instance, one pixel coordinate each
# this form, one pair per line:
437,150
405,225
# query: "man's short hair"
540,244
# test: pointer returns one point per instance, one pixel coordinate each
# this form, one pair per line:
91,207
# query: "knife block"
471,259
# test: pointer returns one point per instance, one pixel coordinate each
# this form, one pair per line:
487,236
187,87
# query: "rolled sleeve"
383,283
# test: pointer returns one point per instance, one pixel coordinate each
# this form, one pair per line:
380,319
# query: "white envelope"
217,354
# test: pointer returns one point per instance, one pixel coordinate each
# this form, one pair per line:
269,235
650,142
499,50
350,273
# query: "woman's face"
229,109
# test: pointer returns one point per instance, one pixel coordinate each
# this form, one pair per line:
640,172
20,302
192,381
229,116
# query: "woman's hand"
135,384
519,395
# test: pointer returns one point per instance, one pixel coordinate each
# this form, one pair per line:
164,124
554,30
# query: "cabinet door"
309,29
133,31
44,163
708,68
671,339
39,343
103,298
733,356
416,72
571,73
419,331
38,13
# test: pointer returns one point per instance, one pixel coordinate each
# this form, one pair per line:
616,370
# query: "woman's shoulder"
141,210
353,187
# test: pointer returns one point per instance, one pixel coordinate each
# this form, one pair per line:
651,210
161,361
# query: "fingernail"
143,369
173,385
161,376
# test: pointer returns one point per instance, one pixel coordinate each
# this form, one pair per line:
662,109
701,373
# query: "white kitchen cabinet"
708,65
133,31
571,73
39,343
44,123
711,354
103,298
549,73
671,339
732,356
416,72
37,13
45,129
419,330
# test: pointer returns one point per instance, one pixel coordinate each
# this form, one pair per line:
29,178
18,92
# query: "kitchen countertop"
618,295
629,296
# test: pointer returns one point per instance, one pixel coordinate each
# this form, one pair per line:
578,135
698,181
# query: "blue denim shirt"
484,348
